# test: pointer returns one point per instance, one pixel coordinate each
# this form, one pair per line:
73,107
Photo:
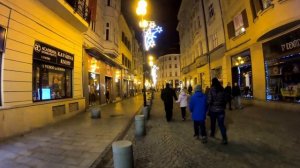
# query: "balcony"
75,12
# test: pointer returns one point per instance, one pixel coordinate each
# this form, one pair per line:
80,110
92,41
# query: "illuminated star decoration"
150,35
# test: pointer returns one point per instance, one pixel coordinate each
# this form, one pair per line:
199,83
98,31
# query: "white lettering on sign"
48,51
290,45
65,62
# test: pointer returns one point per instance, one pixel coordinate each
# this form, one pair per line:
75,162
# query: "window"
108,2
175,65
175,58
211,11
170,58
238,25
259,5
170,66
175,73
51,82
2,39
170,74
107,32
214,40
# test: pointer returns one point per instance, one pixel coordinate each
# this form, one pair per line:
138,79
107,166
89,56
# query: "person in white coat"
183,99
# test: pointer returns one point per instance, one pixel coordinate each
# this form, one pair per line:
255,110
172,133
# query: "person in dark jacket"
167,96
217,105
236,94
228,95
198,108
190,89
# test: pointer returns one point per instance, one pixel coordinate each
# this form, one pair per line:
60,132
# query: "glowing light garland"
150,35
154,70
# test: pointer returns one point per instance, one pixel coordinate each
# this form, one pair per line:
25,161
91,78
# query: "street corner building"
59,58
254,43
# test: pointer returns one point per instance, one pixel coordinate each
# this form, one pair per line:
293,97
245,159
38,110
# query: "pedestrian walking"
167,96
228,95
183,100
198,108
236,94
190,89
217,105
107,96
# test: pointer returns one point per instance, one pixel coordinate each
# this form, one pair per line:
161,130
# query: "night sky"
164,13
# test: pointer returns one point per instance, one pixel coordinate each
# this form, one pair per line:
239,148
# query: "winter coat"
216,100
167,95
198,106
236,91
182,99
228,92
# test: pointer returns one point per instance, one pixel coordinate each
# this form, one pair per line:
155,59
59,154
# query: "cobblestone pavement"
257,138
73,143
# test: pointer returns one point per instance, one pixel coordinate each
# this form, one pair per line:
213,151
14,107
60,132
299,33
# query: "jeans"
200,124
220,118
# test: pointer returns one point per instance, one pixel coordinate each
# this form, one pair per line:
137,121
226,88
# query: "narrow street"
257,138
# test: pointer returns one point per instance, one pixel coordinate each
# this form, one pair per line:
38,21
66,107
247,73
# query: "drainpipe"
206,40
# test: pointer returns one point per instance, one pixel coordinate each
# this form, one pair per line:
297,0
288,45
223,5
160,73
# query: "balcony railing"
76,12
81,7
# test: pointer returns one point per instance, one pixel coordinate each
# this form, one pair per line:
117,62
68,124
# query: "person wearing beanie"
182,99
198,108
217,106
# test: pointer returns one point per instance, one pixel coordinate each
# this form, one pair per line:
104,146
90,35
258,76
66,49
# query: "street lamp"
150,29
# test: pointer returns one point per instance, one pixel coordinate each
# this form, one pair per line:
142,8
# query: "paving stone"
258,137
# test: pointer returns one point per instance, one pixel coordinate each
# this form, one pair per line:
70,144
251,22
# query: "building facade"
41,68
202,43
169,70
60,64
262,52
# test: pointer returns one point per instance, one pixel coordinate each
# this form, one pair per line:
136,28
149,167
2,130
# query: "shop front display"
242,73
282,64
52,73
2,39
94,81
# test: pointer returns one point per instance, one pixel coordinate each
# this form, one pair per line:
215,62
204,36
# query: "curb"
100,161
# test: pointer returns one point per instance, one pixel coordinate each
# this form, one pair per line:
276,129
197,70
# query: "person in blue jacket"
198,108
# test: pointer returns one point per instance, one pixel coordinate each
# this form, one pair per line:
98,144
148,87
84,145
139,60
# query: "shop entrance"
94,89
108,89
242,73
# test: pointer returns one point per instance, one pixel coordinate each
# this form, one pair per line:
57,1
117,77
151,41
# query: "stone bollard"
146,112
122,154
95,113
148,103
139,125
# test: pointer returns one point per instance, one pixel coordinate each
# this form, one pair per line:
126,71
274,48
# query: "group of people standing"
212,103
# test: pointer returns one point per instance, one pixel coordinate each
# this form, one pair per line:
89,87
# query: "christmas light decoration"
150,34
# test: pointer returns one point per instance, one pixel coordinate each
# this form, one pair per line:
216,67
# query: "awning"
94,52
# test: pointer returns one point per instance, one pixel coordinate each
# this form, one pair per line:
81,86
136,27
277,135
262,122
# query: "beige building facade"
169,70
60,58
202,42
41,70
263,52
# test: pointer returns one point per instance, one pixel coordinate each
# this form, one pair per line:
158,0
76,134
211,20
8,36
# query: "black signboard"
2,36
286,44
46,53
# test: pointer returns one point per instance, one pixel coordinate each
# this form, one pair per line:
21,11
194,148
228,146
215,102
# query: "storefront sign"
46,53
51,67
285,44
